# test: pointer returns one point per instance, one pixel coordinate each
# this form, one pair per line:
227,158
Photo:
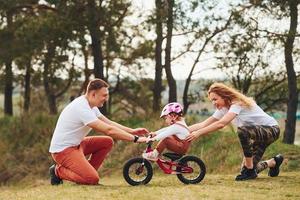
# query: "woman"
256,129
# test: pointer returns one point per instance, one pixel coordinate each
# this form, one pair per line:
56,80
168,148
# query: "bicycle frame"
168,166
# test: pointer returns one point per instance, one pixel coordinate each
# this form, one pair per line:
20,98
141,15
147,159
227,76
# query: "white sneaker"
152,155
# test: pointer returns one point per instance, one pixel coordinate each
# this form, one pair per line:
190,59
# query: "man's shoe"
55,180
274,171
246,174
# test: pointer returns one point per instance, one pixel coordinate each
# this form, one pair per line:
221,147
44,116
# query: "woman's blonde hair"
230,95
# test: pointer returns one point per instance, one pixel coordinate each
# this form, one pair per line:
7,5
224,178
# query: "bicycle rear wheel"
192,170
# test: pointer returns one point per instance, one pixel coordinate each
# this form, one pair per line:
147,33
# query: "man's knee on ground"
92,179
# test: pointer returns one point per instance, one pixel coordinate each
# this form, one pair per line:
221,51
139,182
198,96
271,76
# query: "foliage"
132,97
250,55
246,49
24,144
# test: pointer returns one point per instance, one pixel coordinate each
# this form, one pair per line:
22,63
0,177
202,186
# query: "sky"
181,68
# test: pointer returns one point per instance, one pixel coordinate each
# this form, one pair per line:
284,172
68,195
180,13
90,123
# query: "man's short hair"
96,84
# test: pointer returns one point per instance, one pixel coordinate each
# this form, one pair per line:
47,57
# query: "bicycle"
188,169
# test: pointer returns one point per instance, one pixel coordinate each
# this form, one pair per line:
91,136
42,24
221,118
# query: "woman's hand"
192,136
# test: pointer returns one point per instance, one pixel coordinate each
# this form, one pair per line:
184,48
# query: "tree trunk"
93,26
87,72
27,86
46,78
8,88
186,102
289,133
95,34
97,54
158,60
170,78
52,104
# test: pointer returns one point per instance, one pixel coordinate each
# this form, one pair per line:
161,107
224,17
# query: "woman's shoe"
246,174
274,171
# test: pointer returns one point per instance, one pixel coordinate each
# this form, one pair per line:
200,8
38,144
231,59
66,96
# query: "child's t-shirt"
178,129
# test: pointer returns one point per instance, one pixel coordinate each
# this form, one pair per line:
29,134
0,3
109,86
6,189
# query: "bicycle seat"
172,156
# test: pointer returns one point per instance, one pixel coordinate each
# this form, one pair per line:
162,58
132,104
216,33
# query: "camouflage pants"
255,139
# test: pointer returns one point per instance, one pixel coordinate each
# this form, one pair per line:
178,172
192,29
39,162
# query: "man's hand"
194,135
140,131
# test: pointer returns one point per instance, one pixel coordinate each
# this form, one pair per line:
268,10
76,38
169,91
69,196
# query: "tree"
246,62
7,35
280,9
203,36
30,44
13,12
289,132
158,56
56,27
94,29
167,66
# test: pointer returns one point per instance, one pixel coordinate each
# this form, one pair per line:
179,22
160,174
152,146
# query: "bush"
24,146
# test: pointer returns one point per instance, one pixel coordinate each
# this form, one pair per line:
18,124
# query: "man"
69,144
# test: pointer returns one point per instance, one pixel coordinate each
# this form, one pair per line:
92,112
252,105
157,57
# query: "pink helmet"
173,107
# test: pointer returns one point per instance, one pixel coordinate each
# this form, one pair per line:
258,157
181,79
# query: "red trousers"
72,164
174,144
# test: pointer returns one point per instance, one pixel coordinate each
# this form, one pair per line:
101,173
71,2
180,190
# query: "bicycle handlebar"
149,144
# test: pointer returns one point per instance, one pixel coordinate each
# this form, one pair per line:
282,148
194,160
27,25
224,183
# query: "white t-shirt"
71,126
246,116
179,129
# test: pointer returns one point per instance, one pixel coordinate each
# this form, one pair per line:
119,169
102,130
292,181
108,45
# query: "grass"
214,186
24,163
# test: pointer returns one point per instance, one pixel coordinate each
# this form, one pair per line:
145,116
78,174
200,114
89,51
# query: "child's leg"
173,144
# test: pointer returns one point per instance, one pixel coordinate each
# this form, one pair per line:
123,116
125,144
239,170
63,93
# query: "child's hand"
152,134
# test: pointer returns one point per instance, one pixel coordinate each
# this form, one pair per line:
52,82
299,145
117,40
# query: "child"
172,137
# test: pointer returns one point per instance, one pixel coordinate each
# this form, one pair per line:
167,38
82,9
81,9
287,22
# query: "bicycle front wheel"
137,171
